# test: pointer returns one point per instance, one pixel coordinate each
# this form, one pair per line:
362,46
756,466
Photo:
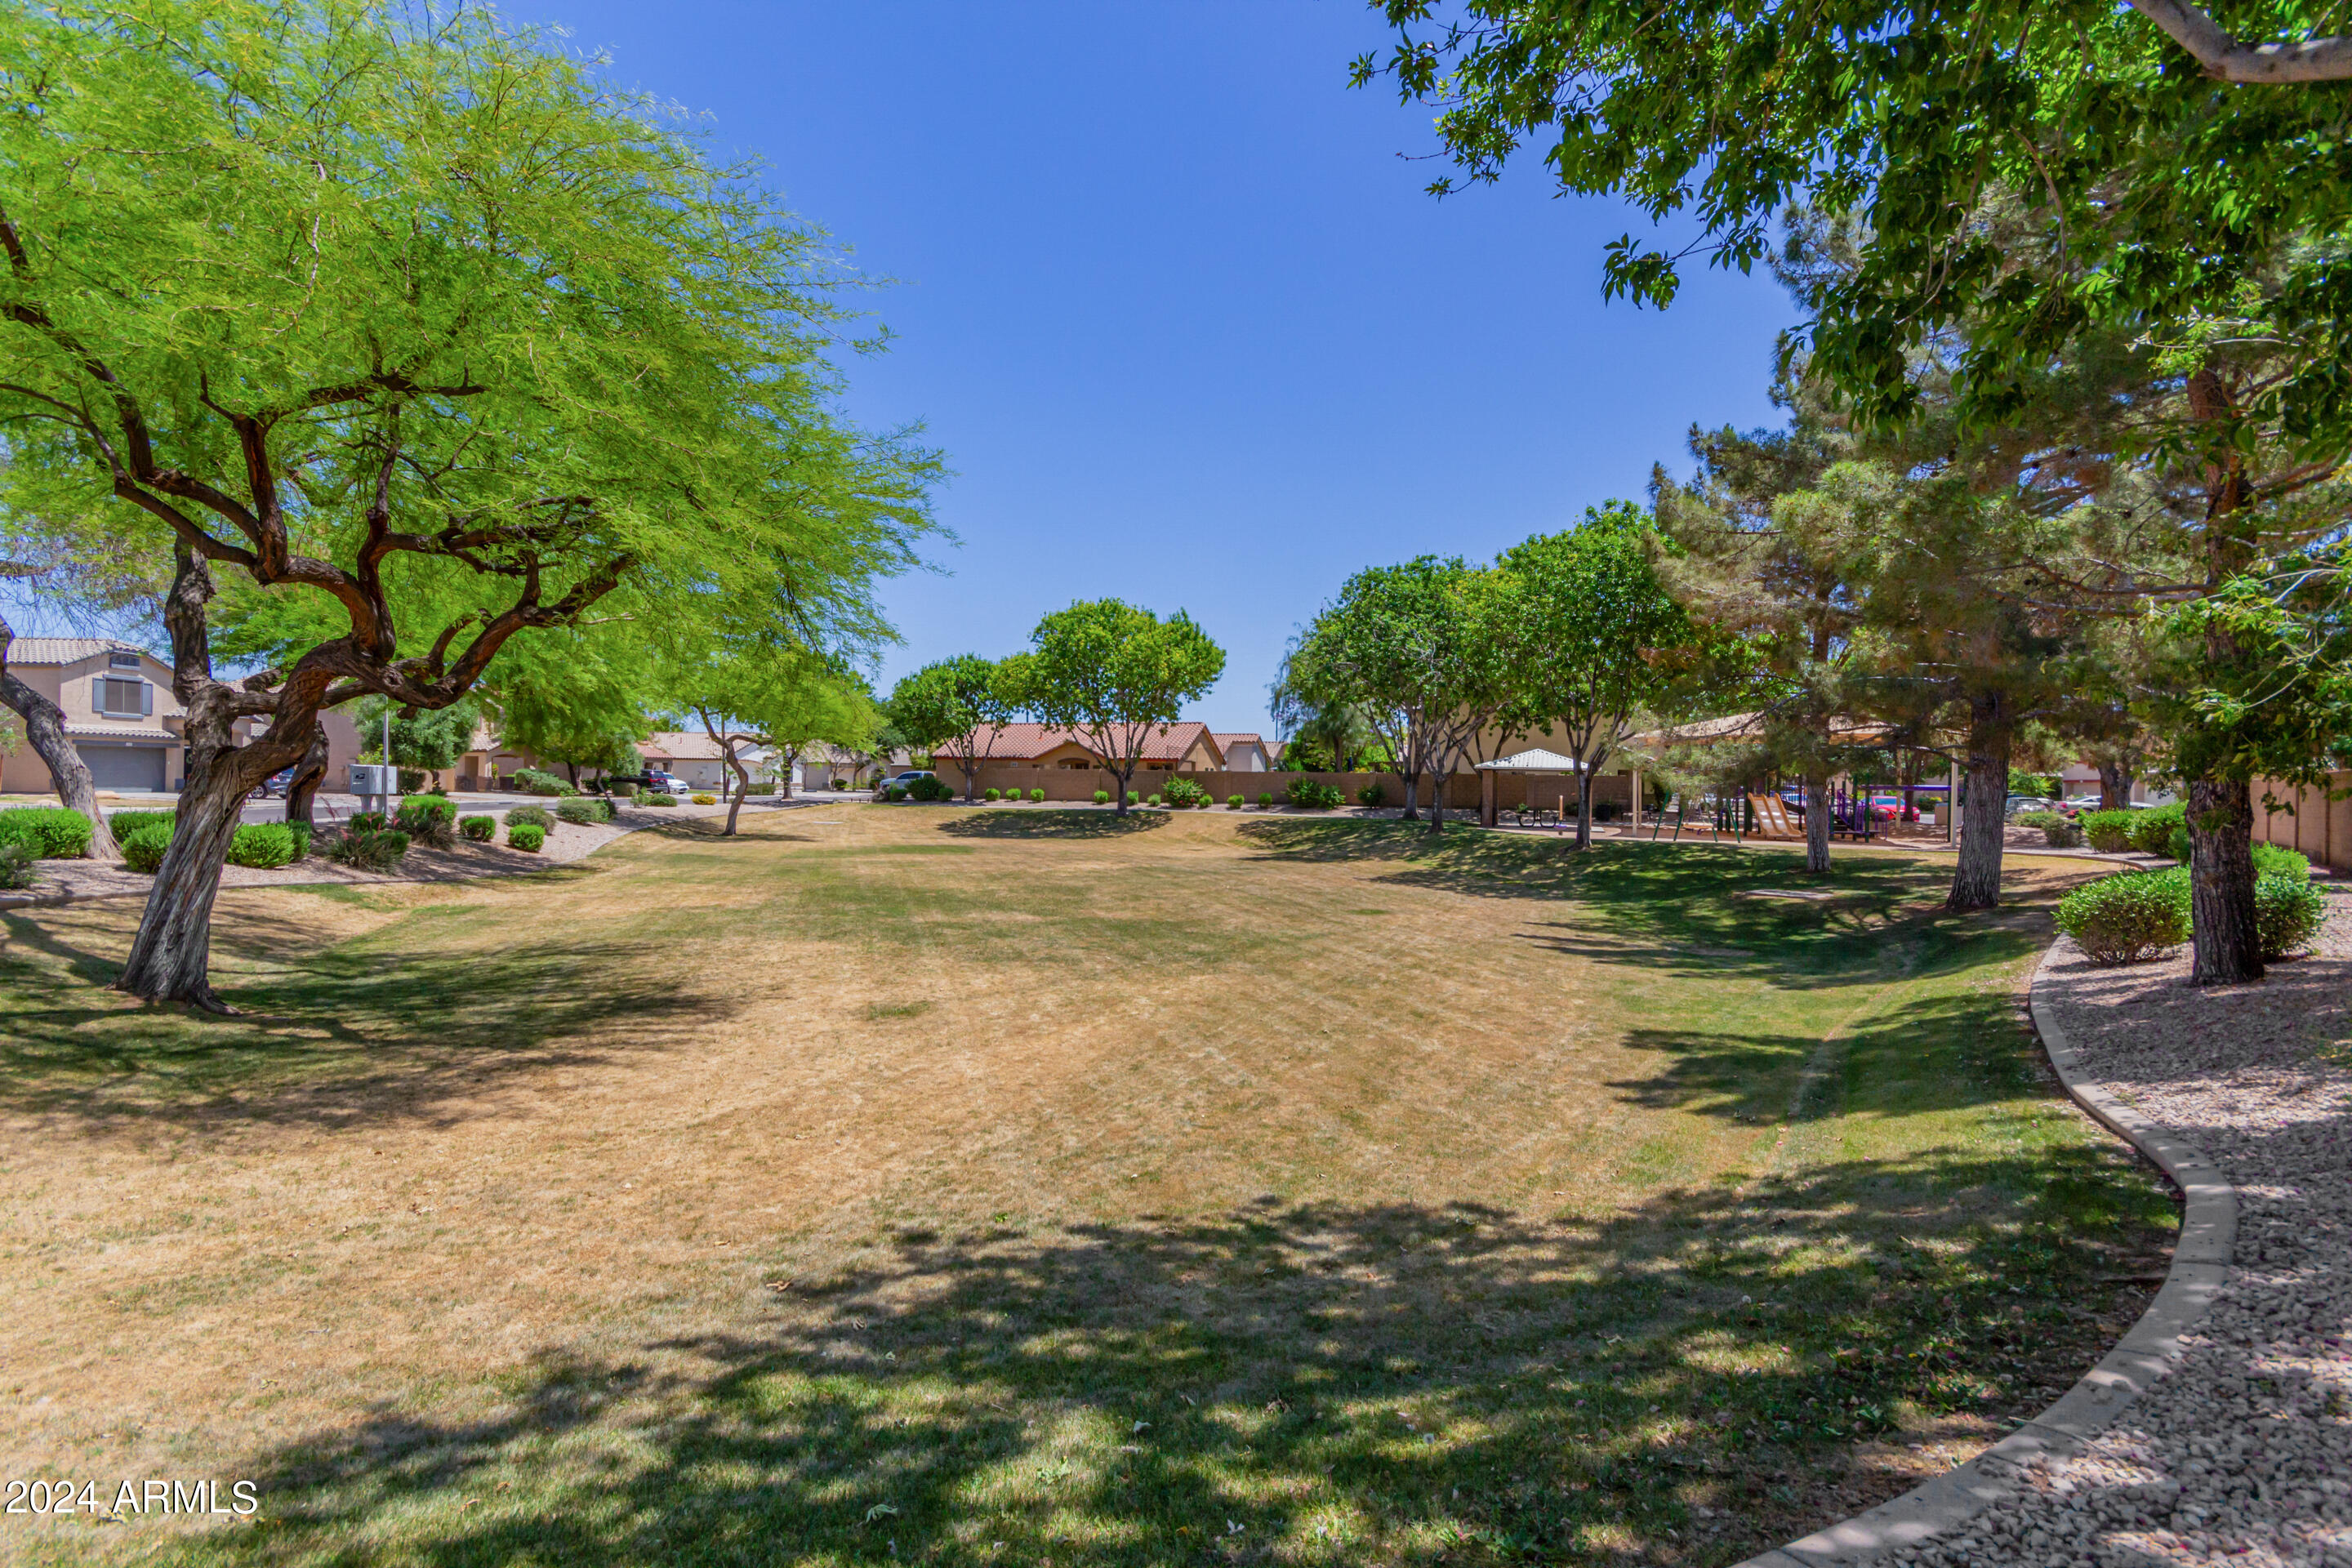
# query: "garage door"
124,767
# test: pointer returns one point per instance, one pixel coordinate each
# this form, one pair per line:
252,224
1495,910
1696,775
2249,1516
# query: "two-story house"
121,716
119,707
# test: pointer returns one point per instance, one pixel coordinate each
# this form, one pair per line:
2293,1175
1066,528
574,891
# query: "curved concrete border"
2201,1263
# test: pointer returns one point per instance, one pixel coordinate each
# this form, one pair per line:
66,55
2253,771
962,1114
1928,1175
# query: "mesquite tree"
419,330
1117,675
1597,638
962,704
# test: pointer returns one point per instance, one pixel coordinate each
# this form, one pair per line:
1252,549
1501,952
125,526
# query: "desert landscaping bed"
983,1187
2244,1453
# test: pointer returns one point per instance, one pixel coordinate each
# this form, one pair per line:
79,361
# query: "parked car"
2023,803
901,780
275,786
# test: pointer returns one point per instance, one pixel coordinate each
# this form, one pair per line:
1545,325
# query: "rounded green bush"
1373,795
143,850
658,798
300,833
2126,917
991,795
263,846
2151,831
479,830
124,824
16,864
369,848
581,812
1037,796
1151,800
2178,845
2109,832
2278,860
430,818
528,837
1235,801
1102,797
2061,834
50,832
537,816
2288,912
1265,798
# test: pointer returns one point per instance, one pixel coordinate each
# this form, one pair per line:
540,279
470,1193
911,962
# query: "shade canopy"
1538,761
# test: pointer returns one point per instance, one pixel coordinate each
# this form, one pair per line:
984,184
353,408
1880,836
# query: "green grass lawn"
934,1186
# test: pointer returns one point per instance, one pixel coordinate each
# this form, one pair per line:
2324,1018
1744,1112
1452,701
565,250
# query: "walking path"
2220,1431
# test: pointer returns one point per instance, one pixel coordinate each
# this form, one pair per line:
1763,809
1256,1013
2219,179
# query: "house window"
121,699
123,661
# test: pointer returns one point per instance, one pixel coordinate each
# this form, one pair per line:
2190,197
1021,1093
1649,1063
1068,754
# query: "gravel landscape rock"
2244,1453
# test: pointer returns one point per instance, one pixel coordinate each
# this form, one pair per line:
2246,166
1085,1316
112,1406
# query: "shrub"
581,812
122,824
2061,834
655,799
300,833
1183,792
367,822
1234,801
369,848
1037,796
142,851
537,816
15,864
2126,917
2278,860
1373,795
526,836
991,795
429,817
478,829
265,845
2041,819
2151,831
1605,810
1151,800
1102,797
50,832
2178,845
532,781
705,797
1265,798
2108,831
620,789
2288,912
1133,798
1314,795
412,780
897,792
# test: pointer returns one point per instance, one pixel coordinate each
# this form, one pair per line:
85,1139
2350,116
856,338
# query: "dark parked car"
275,786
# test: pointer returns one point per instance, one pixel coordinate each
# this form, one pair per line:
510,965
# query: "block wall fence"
2318,826
1513,790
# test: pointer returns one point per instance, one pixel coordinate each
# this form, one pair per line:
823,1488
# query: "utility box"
374,778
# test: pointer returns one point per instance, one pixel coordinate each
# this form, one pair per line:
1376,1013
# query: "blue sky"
1182,320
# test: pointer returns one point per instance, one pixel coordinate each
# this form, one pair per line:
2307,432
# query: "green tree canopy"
1595,639
1117,674
960,703
408,316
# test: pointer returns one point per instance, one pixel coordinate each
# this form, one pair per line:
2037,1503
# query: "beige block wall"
1513,790
2319,827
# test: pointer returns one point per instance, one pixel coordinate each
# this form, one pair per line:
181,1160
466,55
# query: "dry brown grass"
1050,1109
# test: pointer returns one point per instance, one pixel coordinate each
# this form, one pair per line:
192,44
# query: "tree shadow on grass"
355,1034
1688,907
1320,1382
1033,824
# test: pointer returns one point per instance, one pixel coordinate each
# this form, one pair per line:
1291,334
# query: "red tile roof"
1022,742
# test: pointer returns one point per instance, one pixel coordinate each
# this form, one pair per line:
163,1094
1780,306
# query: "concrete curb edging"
2200,1264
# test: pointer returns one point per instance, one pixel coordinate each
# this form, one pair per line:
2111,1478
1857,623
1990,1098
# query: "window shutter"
146,700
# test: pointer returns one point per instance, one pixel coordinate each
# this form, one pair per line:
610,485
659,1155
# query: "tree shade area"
1074,1183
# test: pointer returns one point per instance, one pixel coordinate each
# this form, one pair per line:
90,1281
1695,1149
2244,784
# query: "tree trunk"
1817,816
1119,786
970,777
1583,809
45,731
1975,881
302,789
2226,948
1412,796
2115,787
170,956
742,787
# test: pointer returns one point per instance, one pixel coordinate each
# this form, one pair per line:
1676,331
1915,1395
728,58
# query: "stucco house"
1183,747
697,761
1244,753
122,718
